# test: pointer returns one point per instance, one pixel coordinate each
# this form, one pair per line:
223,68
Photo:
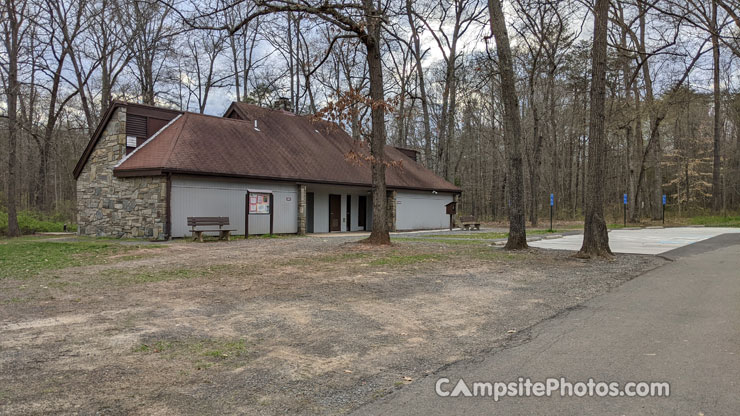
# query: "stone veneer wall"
301,209
118,207
390,210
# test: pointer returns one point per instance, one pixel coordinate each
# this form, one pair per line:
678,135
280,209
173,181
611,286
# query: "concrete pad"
642,241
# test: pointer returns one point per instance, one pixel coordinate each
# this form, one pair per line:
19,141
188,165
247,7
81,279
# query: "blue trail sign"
625,199
552,199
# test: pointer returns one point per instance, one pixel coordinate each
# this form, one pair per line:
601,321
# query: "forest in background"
672,102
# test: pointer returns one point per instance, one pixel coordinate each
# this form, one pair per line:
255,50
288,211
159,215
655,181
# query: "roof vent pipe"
255,125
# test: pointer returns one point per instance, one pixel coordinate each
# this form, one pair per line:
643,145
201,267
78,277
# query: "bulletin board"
259,203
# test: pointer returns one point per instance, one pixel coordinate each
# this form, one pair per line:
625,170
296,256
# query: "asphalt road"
679,323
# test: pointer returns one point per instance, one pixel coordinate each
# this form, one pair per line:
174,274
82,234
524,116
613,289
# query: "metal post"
625,210
272,196
552,203
246,219
663,210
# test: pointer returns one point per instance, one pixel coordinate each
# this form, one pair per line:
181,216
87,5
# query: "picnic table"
469,222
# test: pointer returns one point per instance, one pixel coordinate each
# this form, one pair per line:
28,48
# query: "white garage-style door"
421,210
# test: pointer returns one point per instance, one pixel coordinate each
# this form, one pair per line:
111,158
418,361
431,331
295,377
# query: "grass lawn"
451,240
716,221
28,256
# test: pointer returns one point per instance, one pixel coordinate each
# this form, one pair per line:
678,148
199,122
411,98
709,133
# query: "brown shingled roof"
286,147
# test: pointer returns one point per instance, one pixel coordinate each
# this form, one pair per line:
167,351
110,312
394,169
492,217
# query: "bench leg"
200,236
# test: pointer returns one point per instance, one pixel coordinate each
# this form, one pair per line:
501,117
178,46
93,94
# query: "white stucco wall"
321,206
222,197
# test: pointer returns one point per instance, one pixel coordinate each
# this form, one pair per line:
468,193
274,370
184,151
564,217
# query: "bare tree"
365,21
464,13
106,46
717,157
59,42
14,25
595,236
418,52
243,45
512,129
151,44
204,49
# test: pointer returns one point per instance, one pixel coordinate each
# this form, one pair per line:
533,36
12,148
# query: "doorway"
349,213
335,213
309,212
362,212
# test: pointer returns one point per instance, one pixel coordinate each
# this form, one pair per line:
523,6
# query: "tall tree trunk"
422,86
636,160
235,66
595,236
556,182
535,158
379,234
632,135
512,129
443,144
450,136
12,47
717,158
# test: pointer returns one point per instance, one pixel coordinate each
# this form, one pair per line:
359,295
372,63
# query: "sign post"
625,210
552,203
663,210
451,210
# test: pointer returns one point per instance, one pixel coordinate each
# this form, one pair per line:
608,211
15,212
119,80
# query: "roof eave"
130,173
127,173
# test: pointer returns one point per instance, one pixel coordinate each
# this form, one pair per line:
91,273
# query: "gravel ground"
273,326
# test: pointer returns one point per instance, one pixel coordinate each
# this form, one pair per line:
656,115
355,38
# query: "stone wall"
118,207
390,210
301,209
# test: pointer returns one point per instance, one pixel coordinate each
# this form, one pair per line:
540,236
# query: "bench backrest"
468,218
203,221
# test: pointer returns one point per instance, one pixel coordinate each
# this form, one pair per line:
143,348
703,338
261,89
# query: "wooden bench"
469,222
223,233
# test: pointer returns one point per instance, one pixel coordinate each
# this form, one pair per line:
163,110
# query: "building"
146,169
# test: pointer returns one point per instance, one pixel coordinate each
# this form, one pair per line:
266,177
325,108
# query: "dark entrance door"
361,212
349,213
309,212
335,213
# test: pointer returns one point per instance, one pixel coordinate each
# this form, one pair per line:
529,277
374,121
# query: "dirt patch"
283,326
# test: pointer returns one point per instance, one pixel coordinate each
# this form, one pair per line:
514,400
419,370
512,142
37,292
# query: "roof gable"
132,108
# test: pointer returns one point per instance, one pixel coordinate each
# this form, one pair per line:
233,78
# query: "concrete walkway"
679,323
642,241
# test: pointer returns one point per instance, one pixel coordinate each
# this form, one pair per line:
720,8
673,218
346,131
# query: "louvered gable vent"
136,126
